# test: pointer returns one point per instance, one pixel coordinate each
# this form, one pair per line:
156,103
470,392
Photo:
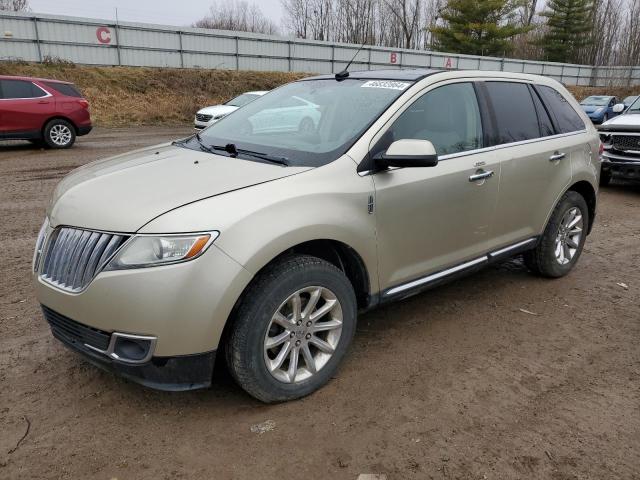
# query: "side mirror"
408,153
618,108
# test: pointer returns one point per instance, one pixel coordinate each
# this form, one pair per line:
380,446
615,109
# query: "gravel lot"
454,383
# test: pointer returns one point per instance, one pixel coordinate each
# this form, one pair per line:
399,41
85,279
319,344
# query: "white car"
293,114
210,115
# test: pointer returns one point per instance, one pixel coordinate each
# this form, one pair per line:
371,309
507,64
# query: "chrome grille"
203,118
74,256
626,142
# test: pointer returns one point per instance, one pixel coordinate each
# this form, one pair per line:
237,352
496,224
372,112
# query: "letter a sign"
447,63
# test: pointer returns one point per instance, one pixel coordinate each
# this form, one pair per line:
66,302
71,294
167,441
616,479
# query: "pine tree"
477,27
568,26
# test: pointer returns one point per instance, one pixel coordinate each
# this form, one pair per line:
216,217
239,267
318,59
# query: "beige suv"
263,236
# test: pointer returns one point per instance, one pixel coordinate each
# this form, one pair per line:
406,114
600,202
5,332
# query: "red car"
40,110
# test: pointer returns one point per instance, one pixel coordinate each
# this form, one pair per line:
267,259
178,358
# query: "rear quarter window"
567,119
65,89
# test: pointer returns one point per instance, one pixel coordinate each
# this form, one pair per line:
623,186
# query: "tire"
253,365
59,133
544,259
605,178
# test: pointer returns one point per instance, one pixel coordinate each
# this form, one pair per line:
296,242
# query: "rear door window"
64,89
515,114
13,89
567,119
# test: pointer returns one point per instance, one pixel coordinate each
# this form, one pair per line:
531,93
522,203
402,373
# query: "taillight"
83,103
601,149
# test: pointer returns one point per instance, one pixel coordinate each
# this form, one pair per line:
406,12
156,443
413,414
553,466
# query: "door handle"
557,156
481,175
44,102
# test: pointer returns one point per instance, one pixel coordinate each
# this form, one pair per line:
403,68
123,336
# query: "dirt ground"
454,383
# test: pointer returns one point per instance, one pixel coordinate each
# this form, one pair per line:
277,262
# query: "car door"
535,158
23,106
436,218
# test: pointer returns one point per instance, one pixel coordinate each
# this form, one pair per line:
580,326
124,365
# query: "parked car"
292,114
264,245
42,110
621,139
629,100
210,115
599,107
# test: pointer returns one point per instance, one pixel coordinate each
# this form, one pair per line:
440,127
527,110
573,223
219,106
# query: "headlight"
152,250
40,244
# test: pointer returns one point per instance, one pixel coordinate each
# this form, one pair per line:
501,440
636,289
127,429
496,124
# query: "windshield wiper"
233,152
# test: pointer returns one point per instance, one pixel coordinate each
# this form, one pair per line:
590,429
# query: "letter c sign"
103,34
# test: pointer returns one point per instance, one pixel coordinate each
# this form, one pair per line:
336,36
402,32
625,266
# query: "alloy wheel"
569,235
303,334
60,135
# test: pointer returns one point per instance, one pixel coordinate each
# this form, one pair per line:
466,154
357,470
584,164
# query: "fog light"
130,349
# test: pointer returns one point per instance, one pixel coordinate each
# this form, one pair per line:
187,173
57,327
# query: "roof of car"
408,74
29,79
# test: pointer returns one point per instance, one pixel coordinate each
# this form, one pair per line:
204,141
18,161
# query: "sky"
164,12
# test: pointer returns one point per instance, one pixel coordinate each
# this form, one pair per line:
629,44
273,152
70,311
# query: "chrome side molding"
436,276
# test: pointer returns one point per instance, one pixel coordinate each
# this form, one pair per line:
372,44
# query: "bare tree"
14,5
237,15
407,14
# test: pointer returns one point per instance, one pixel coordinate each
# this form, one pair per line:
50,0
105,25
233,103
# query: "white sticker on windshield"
386,84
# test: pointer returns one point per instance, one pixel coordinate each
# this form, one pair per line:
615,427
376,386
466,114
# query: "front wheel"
59,133
563,239
292,328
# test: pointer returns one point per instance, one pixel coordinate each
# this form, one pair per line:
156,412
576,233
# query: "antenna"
344,73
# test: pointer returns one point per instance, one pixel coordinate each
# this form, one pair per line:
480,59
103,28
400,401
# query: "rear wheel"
563,239
292,328
59,133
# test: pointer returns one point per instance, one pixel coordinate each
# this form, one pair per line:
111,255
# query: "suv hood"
218,110
123,193
627,119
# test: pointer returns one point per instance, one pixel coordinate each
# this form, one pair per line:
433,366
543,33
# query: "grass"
128,96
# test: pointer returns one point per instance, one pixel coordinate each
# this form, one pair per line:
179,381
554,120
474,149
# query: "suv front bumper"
177,373
621,165
182,308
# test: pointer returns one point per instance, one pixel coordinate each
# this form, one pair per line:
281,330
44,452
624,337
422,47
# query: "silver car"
259,247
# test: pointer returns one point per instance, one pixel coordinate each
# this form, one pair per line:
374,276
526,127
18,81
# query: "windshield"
635,106
242,100
308,123
629,100
597,101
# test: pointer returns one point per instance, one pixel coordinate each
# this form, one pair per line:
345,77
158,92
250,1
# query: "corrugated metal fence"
35,37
